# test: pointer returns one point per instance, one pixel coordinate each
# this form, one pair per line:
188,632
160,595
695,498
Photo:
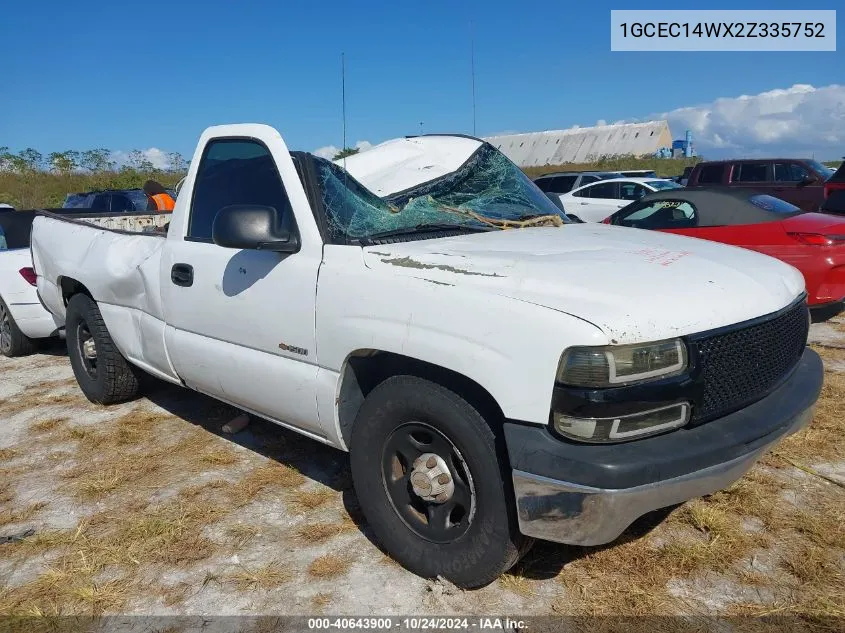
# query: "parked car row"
553,380
565,181
803,182
114,200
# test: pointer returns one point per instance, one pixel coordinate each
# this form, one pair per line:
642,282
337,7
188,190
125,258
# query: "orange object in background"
163,202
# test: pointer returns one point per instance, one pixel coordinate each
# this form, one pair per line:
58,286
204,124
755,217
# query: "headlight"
618,365
623,427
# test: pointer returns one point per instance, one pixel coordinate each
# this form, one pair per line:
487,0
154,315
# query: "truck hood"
635,285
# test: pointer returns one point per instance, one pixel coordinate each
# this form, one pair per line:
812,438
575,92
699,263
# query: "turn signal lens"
625,427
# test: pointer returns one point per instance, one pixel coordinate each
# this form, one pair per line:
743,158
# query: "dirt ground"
147,508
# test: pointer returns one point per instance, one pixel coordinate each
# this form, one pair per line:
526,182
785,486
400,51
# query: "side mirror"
252,227
808,180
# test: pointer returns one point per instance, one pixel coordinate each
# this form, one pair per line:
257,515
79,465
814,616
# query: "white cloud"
159,158
329,151
800,120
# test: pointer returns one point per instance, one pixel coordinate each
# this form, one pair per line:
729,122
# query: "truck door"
791,185
240,323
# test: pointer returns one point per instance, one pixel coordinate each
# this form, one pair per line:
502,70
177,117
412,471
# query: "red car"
812,242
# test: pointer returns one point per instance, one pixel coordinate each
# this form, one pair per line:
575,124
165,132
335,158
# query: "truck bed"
116,257
120,222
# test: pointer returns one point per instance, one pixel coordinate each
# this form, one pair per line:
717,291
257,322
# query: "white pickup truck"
496,373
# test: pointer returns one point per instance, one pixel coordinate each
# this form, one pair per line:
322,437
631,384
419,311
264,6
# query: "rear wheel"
433,484
13,342
103,374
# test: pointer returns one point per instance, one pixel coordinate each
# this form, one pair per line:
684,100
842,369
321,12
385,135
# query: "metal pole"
343,95
472,71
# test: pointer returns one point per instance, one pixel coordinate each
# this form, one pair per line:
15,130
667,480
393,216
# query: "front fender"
509,347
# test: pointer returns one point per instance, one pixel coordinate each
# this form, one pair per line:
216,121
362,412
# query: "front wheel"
433,484
103,374
13,342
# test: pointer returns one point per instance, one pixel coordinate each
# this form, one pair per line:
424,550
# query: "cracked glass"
487,192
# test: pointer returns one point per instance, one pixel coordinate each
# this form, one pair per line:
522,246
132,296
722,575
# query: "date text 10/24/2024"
417,624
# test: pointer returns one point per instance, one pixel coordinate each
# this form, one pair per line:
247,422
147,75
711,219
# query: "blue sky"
102,74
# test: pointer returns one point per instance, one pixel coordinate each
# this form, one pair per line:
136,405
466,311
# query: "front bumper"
614,485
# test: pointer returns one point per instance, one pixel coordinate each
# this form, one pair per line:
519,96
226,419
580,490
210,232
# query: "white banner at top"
711,30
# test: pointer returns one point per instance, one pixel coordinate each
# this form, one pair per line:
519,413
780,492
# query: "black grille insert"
741,365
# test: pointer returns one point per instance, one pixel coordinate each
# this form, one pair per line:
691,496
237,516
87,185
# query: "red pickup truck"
797,180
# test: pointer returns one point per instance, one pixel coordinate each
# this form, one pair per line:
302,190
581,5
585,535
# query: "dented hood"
634,285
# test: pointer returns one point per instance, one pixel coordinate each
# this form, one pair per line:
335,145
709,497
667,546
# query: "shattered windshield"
488,192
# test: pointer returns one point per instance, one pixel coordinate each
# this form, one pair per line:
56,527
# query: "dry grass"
329,566
9,516
219,457
65,590
813,564
823,440
516,583
41,394
46,425
201,490
8,453
242,533
278,476
822,521
319,532
753,496
303,501
321,600
262,578
122,463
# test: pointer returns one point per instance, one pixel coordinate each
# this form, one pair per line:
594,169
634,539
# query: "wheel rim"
5,329
87,349
428,482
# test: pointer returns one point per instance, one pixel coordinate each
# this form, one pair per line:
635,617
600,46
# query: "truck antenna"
472,71
343,97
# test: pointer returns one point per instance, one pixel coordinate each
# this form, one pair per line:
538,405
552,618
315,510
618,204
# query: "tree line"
92,161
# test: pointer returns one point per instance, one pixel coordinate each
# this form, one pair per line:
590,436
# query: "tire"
105,378
13,342
481,539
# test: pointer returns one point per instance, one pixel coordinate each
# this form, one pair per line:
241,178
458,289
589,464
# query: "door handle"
182,275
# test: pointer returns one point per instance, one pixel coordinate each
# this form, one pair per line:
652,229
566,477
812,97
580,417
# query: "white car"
23,319
491,383
598,200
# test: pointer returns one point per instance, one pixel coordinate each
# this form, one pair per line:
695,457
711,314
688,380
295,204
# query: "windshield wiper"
425,228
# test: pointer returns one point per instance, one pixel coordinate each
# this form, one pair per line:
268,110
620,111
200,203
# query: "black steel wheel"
428,483
434,484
